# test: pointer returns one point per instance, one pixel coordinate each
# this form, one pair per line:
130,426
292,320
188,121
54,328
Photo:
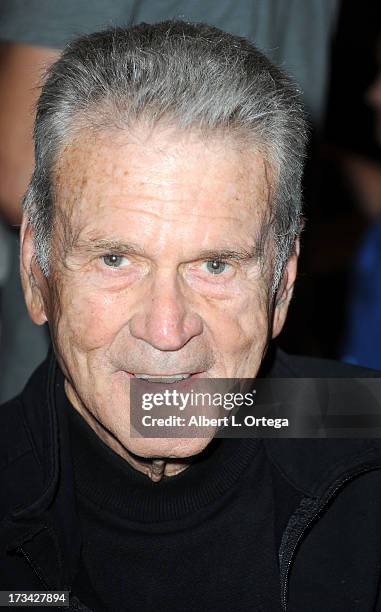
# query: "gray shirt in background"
293,33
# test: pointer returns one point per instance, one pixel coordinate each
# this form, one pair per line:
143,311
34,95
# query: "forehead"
106,177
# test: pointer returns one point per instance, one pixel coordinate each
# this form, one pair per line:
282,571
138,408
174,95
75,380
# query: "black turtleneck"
200,540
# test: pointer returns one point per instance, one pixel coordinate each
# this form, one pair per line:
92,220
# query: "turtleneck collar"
108,480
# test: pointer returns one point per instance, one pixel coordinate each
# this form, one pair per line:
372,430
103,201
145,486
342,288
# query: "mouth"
165,378
160,378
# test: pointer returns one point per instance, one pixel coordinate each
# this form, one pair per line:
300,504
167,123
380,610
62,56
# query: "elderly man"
160,241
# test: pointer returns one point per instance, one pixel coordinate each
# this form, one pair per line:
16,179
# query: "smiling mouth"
171,378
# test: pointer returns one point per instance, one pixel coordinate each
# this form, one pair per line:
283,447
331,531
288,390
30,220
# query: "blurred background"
332,48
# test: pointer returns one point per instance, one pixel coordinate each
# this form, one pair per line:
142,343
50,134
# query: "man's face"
155,270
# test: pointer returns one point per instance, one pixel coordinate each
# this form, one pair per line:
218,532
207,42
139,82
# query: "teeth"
164,379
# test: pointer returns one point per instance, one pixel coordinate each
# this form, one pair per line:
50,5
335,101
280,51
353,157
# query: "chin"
167,448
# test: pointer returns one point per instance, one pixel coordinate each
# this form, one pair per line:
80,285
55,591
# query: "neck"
154,468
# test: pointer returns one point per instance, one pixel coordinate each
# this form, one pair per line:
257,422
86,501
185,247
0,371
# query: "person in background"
21,344
362,344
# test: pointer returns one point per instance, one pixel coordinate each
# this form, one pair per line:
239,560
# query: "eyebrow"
238,254
130,248
110,246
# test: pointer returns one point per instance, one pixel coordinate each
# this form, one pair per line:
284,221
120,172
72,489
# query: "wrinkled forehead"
101,174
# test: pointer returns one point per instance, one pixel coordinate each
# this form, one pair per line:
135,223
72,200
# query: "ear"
285,291
32,279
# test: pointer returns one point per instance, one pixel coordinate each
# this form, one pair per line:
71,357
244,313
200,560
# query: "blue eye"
113,261
214,266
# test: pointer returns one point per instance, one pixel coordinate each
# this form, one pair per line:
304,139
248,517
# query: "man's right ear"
32,279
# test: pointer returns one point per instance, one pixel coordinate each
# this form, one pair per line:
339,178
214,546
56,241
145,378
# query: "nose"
164,319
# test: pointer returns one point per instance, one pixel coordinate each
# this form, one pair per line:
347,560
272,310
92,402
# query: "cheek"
242,325
89,320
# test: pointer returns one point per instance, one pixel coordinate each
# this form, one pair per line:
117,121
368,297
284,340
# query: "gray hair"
195,76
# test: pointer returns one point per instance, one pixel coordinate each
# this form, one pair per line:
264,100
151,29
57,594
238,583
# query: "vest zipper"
46,586
293,548
74,603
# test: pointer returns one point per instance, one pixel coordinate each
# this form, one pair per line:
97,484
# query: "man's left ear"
285,291
32,279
